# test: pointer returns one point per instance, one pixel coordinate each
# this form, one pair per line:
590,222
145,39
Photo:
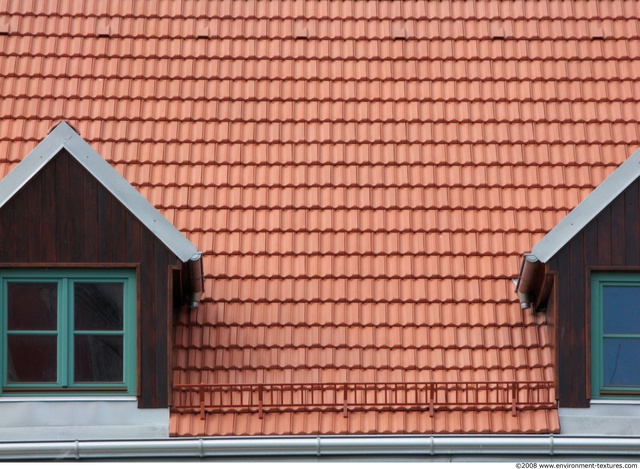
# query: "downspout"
196,279
530,264
508,446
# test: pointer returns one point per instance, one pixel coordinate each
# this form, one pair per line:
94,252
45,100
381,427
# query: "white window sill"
630,401
58,398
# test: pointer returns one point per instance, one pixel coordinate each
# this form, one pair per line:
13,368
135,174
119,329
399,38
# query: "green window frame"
68,331
615,335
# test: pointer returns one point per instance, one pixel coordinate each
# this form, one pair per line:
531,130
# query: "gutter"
196,279
319,446
524,282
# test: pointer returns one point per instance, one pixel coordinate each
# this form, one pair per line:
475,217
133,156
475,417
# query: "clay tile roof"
362,177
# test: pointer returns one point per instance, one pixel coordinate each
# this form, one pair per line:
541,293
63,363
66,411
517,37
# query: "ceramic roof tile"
350,191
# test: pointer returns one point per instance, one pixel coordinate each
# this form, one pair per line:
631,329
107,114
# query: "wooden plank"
147,323
7,226
590,234
133,229
578,337
591,261
91,224
603,221
632,224
78,211
104,224
20,243
34,228
618,230
63,225
174,311
163,309
552,321
563,326
50,210
118,232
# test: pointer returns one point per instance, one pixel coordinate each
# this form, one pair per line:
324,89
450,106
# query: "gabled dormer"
585,274
90,277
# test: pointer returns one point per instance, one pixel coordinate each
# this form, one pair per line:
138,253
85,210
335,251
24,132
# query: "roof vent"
203,32
399,36
498,30
300,31
498,33
400,32
103,28
597,32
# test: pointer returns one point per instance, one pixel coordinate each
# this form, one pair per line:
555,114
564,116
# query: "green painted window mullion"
597,379
4,326
621,336
65,346
109,333
130,332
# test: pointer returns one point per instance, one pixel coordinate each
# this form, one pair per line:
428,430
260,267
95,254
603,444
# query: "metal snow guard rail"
345,397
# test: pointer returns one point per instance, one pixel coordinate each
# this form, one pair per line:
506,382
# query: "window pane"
621,362
621,310
98,358
32,306
98,306
32,359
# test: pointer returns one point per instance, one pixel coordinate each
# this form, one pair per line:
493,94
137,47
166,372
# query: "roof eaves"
588,209
63,136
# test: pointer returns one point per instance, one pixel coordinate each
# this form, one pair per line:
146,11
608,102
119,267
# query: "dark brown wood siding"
609,242
65,216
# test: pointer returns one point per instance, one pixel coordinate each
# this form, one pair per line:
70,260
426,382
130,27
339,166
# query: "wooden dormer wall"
65,217
609,242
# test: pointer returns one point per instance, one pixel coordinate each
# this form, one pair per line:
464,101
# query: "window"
615,334
68,330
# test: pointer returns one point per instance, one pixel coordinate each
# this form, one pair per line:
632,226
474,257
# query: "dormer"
585,276
91,275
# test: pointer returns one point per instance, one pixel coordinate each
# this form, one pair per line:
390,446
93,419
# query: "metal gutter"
196,279
319,446
524,281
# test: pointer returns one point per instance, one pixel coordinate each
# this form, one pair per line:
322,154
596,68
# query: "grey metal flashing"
64,137
602,418
37,418
588,209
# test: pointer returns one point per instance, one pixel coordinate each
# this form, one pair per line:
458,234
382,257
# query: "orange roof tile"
362,176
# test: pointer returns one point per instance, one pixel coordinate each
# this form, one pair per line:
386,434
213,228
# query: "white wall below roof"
603,418
79,418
